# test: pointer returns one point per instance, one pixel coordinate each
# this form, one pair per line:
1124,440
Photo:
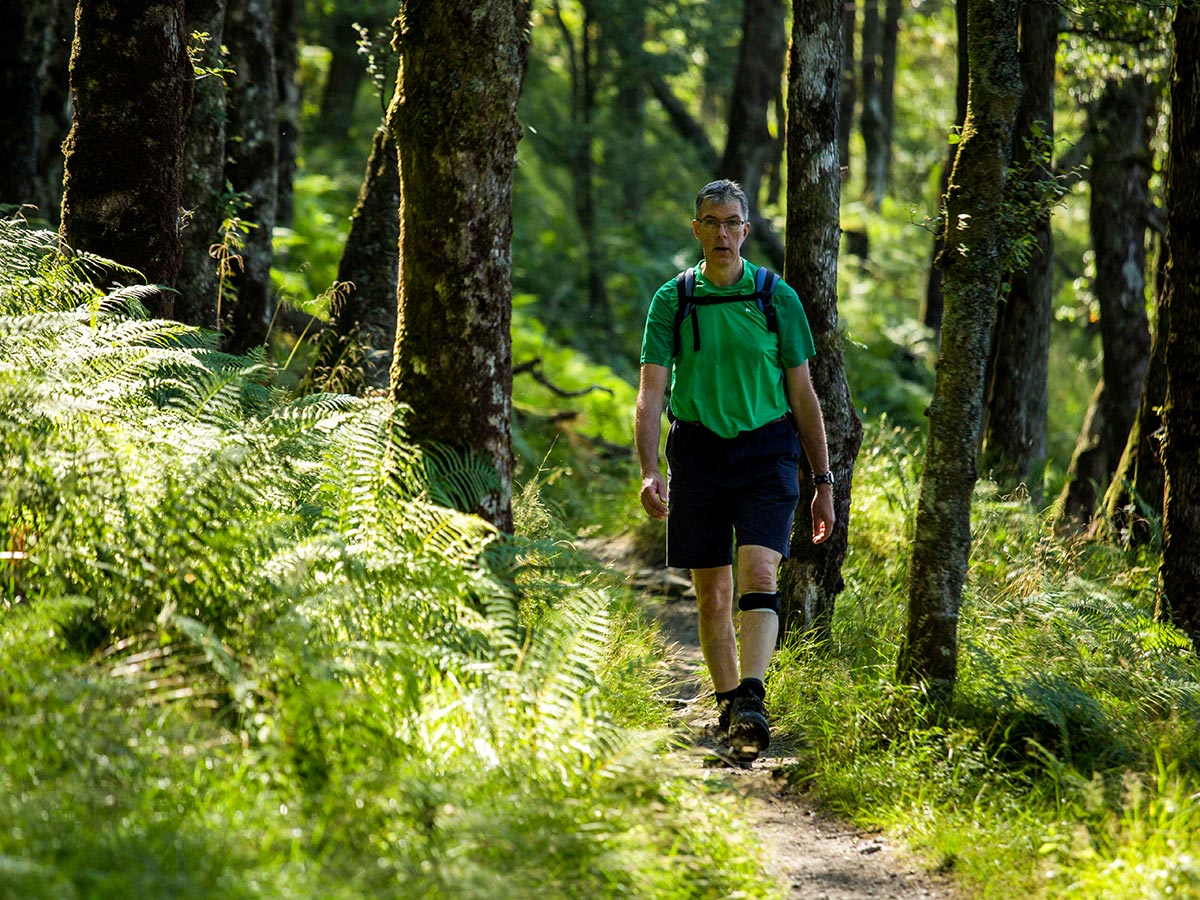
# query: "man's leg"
757,570
714,601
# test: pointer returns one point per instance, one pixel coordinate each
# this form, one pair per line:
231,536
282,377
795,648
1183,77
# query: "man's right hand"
654,495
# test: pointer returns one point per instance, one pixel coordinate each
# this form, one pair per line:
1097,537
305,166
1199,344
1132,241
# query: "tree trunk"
972,272
1134,498
749,144
872,104
345,76
131,82
625,33
1121,133
356,350
1014,444
287,87
1088,471
203,172
55,111
812,578
933,306
887,93
453,117
252,148
1179,598
849,83
24,47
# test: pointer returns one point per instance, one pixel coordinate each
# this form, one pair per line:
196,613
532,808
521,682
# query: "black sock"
754,686
724,697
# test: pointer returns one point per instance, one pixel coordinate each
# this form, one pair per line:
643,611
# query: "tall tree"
453,118
749,145
1179,597
131,82
203,169
889,50
871,120
252,151
1016,410
812,578
972,272
849,81
1120,122
287,92
933,304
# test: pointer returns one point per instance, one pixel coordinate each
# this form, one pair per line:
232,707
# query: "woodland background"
250,620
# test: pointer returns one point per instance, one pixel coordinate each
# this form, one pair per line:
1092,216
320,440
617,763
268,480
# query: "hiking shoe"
749,734
724,708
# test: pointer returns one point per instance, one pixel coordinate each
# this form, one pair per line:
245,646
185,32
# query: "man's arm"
647,431
807,409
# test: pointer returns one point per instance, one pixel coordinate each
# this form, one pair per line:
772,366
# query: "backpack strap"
764,286
685,288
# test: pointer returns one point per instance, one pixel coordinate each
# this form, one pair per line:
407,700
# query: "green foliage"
239,629
1070,762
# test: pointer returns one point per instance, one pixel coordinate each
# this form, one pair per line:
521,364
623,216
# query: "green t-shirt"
735,383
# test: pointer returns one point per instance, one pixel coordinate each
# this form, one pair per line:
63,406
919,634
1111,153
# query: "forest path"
812,854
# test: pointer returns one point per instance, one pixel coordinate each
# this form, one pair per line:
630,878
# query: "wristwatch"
827,478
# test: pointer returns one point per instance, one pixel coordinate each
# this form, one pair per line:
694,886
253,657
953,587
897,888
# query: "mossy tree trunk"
1016,410
252,151
204,171
1179,598
453,118
131,81
812,578
972,272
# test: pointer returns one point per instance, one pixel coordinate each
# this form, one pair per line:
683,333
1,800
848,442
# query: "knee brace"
759,601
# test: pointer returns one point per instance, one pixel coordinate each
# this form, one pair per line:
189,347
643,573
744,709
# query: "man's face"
721,240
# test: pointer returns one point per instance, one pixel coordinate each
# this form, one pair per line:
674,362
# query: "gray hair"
723,191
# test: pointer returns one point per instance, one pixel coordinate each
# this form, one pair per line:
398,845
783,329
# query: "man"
740,389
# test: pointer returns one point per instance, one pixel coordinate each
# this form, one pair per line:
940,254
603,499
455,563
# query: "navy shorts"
745,487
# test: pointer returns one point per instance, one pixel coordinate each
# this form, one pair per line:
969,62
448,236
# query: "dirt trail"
813,855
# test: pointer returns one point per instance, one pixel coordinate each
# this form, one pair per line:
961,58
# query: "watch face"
827,478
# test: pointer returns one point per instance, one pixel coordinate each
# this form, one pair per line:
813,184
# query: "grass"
1069,765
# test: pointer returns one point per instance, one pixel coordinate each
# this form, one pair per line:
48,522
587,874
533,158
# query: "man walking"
732,342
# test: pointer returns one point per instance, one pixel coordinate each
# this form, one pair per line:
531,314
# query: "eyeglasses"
708,223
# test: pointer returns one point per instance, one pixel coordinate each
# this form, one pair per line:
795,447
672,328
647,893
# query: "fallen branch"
533,368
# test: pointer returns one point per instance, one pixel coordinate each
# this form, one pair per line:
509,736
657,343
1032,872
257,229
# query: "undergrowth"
1069,765
248,651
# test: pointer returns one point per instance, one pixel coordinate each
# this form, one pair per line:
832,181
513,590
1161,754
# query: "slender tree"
356,350
1179,597
849,81
1121,125
287,92
812,577
453,118
1016,410
972,273
131,82
203,169
252,150
933,303
871,121
24,45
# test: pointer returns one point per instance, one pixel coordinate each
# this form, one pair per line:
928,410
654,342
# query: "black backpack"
685,284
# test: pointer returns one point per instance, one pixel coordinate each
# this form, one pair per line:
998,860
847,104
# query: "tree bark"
344,77
1179,597
933,306
252,149
203,172
356,350
287,63
1121,133
453,117
1014,443
887,93
812,578
131,82
972,272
